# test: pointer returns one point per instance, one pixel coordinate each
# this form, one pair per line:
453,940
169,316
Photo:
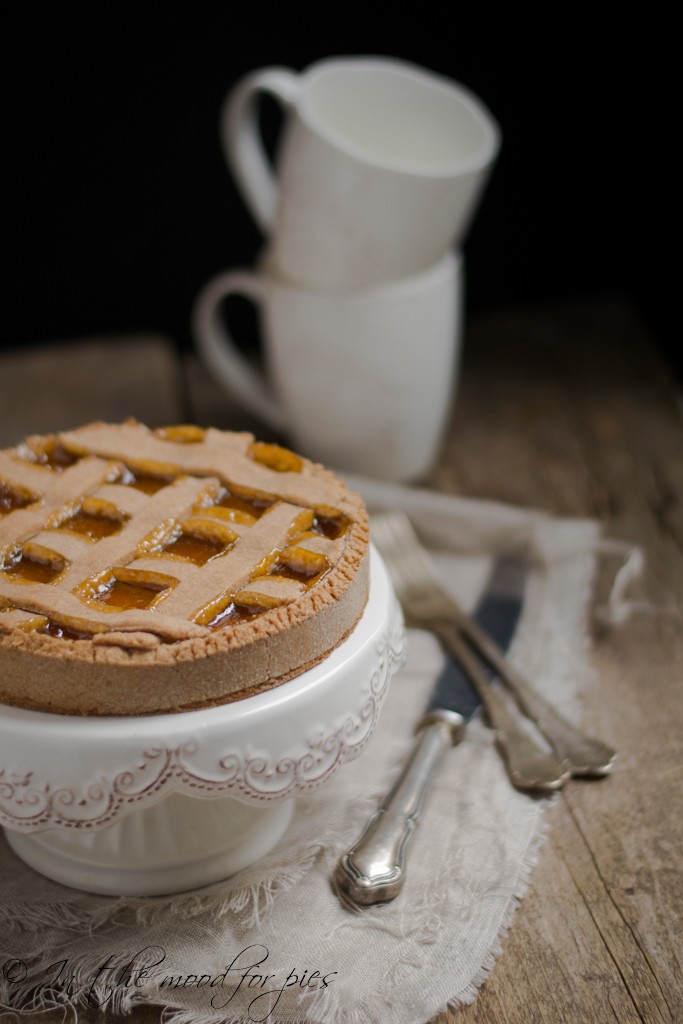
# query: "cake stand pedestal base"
180,843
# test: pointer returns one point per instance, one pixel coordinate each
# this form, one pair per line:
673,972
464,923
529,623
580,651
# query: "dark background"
121,205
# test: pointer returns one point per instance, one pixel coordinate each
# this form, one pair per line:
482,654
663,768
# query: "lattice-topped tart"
147,571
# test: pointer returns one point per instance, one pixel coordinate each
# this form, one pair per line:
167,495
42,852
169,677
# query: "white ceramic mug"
380,168
361,381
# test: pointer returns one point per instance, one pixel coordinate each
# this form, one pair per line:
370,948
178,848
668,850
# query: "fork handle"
529,766
374,869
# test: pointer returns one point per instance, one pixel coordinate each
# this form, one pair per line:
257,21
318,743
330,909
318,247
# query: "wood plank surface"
57,386
568,408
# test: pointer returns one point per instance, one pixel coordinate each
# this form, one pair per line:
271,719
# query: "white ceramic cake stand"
164,803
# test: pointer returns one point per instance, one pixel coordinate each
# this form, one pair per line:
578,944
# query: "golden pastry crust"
252,561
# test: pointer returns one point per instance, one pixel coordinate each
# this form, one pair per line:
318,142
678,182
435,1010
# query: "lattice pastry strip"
127,500
60,494
185,586
260,557
20,475
213,458
90,564
269,592
226,575
16,617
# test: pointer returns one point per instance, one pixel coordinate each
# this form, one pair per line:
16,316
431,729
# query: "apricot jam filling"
10,499
330,524
199,550
282,460
182,433
33,570
299,564
124,595
88,525
232,615
33,563
47,452
148,483
251,505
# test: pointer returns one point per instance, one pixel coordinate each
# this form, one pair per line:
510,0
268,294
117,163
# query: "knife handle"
374,869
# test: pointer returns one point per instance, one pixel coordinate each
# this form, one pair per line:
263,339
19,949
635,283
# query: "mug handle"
216,345
242,142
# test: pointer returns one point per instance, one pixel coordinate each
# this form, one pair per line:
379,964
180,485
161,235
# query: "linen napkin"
274,943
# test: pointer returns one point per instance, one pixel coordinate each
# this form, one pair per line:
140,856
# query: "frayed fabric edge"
467,996
252,900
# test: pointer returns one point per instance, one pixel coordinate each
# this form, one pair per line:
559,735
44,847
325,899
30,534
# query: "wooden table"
567,408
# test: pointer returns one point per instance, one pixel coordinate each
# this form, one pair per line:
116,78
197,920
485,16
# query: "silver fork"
427,605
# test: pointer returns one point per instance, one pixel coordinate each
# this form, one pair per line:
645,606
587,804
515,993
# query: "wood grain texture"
567,408
59,386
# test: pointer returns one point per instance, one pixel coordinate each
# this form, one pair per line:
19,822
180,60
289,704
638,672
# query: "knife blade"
373,869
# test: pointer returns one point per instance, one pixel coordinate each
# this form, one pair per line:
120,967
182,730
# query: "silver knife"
373,870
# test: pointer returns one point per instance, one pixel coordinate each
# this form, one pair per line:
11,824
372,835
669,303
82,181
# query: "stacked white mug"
379,173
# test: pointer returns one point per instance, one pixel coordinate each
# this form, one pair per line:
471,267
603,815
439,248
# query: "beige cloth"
470,859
